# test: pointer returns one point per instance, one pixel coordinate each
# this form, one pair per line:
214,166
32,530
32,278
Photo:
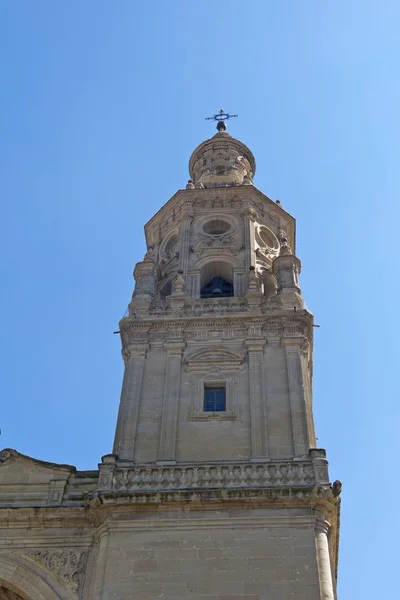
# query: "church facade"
215,489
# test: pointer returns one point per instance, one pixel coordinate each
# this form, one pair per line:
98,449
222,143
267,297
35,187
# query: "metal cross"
221,116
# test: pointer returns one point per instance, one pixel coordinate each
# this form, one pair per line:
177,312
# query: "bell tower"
215,488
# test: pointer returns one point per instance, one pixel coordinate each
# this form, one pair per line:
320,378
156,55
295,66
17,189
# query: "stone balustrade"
225,475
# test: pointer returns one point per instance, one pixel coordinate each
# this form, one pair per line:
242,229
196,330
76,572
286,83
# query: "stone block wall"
252,556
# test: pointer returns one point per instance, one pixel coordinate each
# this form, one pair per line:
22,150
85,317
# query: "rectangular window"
214,399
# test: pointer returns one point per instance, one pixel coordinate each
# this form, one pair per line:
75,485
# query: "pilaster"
187,218
255,349
296,395
169,421
248,216
134,357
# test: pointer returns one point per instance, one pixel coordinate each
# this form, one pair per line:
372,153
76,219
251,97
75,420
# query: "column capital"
255,345
292,344
248,212
134,350
322,526
174,346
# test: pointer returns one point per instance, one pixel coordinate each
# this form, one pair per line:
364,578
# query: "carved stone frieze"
66,565
137,333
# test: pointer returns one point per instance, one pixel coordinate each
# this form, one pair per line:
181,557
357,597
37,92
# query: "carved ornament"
66,565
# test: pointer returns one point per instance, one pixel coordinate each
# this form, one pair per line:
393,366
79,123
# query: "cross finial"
221,117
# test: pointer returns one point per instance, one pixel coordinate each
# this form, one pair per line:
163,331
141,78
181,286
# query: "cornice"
290,328
192,523
171,322
9,455
243,193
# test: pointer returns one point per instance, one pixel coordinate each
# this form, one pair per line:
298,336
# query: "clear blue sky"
101,104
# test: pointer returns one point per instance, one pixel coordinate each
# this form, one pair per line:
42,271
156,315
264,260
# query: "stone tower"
215,489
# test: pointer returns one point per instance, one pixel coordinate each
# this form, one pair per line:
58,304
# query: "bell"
217,292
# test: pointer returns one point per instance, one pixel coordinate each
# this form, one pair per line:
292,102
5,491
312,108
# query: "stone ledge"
289,494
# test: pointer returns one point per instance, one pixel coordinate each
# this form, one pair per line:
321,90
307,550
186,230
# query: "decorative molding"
66,565
203,358
217,375
223,319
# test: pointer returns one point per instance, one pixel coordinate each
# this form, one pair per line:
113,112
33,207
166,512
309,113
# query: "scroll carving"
66,565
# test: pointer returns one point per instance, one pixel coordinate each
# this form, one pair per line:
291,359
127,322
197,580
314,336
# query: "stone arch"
216,280
8,594
26,582
170,242
222,255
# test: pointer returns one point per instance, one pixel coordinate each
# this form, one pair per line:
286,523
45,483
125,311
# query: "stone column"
255,349
184,245
324,560
296,395
134,357
169,421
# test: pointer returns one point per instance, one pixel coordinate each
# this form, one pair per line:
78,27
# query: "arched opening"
20,582
216,280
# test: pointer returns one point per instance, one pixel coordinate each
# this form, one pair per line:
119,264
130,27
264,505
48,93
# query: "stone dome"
221,161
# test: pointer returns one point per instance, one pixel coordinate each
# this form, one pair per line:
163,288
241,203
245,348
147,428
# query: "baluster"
147,478
195,477
159,478
230,476
280,474
290,474
171,478
218,477
136,478
254,475
242,476
165,478
124,479
130,477
206,476
183,478
272,471
118,480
